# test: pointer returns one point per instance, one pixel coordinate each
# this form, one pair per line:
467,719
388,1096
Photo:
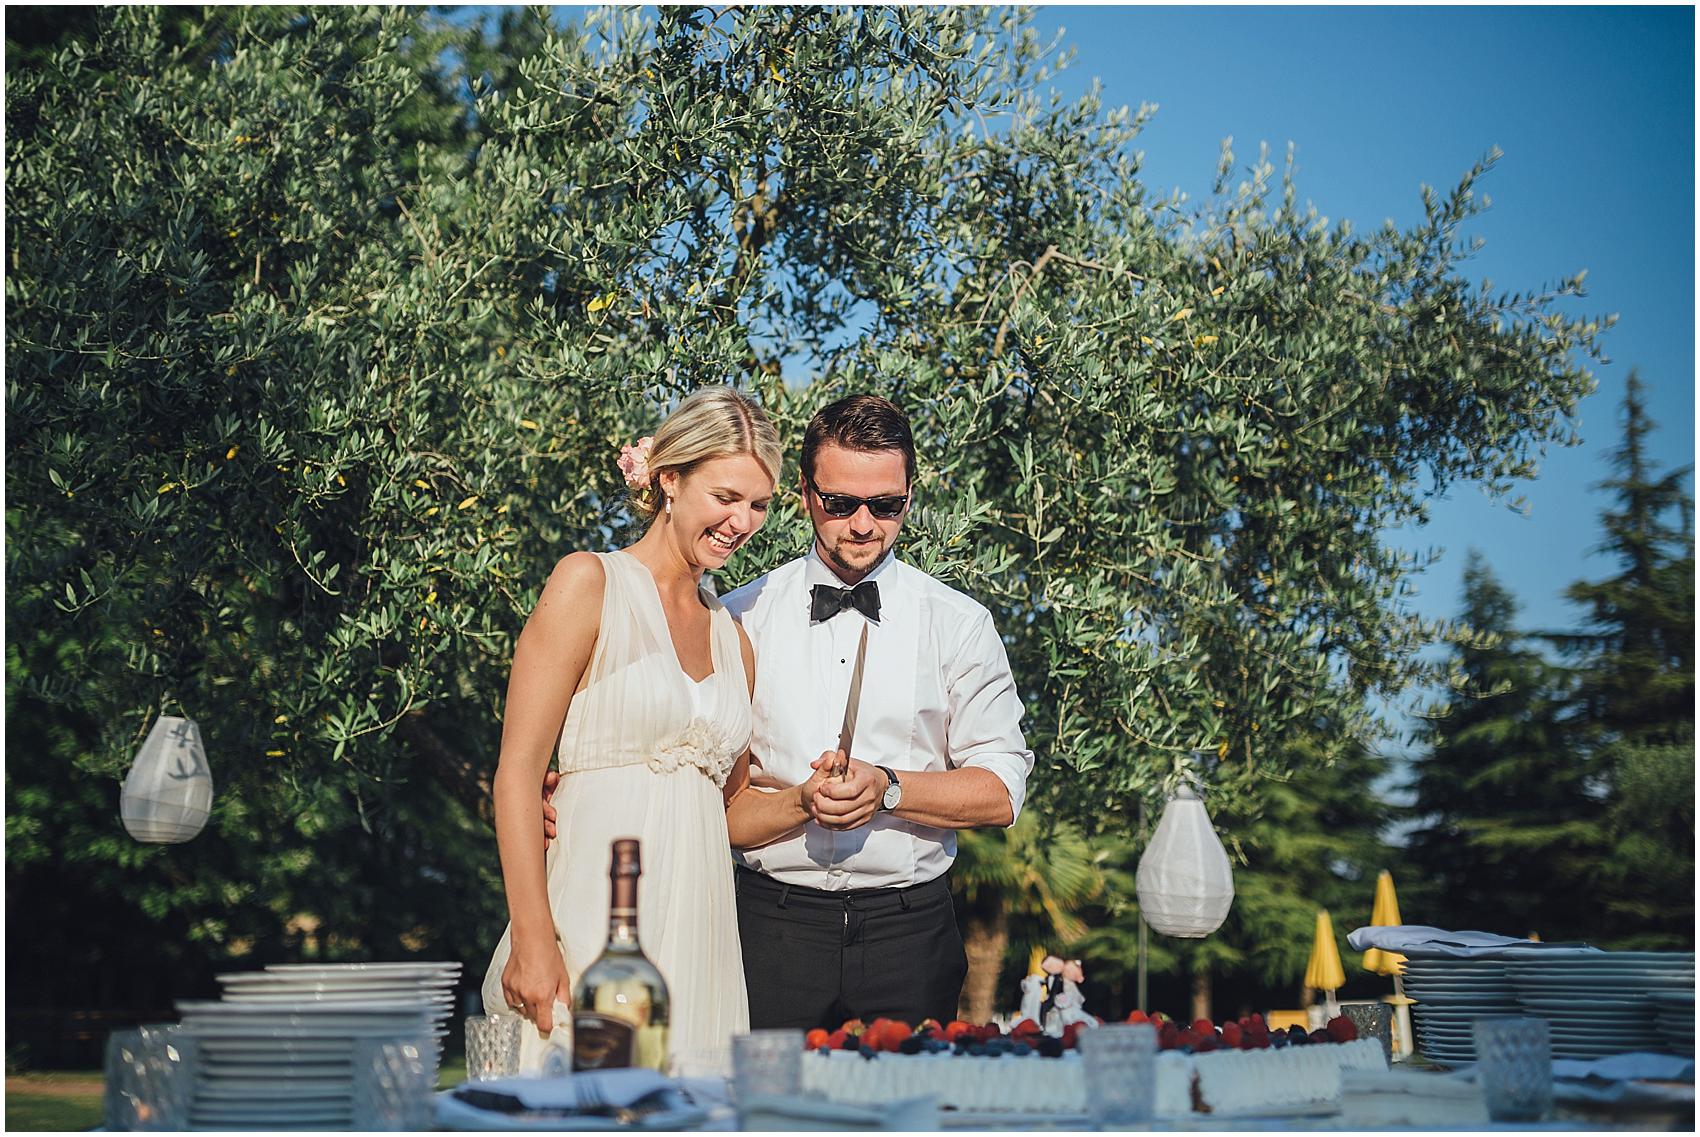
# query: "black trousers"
817,958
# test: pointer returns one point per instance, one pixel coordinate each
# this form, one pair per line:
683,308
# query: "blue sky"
1594,110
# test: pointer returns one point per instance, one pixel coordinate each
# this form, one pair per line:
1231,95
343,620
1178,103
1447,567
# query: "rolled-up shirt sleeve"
984,725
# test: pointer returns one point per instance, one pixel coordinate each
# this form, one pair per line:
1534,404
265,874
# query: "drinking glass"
393,1083
492,1046
767,1062
1514,1063
1121,1074
1373,1020
149,1082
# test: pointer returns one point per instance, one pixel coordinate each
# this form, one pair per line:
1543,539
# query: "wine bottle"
620,1006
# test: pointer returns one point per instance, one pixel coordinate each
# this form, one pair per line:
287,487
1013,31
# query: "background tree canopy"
325,325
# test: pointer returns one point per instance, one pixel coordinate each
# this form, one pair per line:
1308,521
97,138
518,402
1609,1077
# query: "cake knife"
847,732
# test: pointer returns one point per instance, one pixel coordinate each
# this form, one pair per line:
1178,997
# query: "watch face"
893,792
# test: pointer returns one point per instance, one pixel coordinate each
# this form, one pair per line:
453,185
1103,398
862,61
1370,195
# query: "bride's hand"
826,769
534,981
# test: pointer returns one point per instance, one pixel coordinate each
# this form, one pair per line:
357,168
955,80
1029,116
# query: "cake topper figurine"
1050,994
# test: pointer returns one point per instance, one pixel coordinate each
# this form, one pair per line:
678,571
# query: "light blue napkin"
1419,941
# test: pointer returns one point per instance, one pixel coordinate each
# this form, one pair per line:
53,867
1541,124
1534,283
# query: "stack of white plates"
277,1052
1601,1003
1450,995
1673,1012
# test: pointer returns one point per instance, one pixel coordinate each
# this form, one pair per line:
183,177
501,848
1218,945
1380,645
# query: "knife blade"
847,732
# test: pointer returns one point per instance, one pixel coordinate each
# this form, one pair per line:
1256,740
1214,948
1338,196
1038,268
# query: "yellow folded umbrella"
1324,972
1385,915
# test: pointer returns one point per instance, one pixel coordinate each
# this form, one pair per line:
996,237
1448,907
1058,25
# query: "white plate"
271,1117
273,1091
385,970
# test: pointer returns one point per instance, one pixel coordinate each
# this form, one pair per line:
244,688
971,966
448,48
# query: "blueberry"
1021,1050
851,1042
938,1046
978,1050
1297,1037
1050,1047
911,1045
867,1052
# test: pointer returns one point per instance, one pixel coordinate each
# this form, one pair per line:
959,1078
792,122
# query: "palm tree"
1019,884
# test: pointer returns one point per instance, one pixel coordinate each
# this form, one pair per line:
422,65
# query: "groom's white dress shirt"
937,694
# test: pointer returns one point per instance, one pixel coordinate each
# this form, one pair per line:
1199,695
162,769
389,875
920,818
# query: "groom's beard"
854,558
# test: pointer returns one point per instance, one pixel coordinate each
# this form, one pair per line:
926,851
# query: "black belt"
851,898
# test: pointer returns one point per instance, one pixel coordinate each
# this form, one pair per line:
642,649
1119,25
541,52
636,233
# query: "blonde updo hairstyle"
715,422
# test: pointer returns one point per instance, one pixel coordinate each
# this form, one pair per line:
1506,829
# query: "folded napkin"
561,1103
1636,1066
1419,941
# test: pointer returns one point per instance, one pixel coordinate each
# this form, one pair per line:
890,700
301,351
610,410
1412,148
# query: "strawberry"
986,1032
1026,1028
1071,1035
1202,1027
1232,1036
1137,1016
1258,1019
956,1030
1189,1037
929,1026
1168,1037
896,1033
853,1027
841,1040
816,1039
1342,1029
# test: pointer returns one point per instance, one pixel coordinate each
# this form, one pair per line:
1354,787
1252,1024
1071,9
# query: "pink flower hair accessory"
634,462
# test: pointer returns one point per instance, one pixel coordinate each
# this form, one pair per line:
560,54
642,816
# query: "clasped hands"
841,803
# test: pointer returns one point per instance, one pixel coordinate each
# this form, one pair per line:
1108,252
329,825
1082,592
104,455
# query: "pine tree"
1635,693
1510,824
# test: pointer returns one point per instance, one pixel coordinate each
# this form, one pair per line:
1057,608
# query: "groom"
843,907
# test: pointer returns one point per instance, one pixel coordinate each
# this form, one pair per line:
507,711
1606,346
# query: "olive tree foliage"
313,372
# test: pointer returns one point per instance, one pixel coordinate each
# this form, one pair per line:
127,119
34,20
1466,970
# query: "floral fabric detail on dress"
702,745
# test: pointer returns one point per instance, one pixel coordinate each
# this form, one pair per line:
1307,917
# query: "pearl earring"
669,507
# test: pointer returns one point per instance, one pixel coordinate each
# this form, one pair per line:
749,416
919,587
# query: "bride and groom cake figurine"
1050,994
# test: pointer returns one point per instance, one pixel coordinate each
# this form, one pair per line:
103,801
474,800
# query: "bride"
643,681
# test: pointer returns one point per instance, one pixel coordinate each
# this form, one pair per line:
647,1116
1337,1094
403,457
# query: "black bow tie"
826,601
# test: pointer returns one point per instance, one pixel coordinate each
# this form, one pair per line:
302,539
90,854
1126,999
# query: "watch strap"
891,775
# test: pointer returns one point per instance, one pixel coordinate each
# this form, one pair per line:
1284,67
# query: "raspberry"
1202,1027
1232,1036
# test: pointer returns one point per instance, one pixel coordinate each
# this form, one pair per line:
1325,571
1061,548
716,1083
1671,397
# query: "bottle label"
602,1042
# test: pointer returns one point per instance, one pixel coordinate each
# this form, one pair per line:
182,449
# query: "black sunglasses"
843,505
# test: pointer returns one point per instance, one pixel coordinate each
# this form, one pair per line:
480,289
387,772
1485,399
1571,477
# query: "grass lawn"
67,1101
57,1102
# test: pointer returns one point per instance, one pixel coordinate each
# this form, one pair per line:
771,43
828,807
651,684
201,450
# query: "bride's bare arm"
549,660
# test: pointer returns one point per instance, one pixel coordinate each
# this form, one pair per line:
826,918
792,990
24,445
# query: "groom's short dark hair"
859,422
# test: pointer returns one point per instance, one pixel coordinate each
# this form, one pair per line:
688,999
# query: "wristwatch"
893,790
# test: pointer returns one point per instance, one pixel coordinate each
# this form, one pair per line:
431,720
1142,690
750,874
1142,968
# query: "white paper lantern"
168,792
1186,885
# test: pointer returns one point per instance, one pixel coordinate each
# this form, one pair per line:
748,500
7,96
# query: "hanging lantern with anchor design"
1185,882
168,792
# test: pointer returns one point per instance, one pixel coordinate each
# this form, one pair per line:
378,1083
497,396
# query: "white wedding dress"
644,753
